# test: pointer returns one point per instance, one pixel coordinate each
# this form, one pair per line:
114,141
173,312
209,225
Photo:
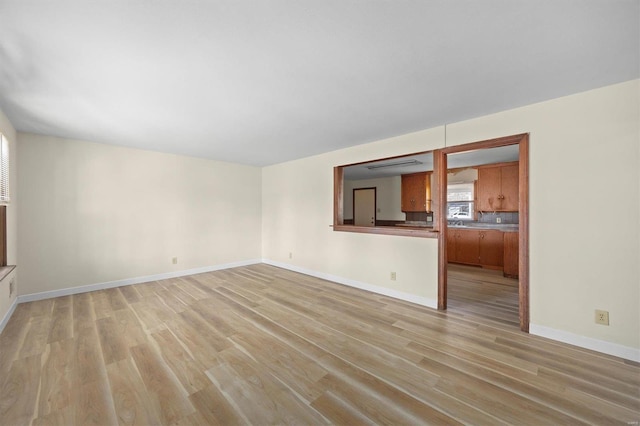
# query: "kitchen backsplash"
510,217
417,216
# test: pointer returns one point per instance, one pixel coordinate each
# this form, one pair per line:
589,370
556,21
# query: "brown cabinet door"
498,188
491,248
511,254
468,247
509,188
489,188
414,192
451,245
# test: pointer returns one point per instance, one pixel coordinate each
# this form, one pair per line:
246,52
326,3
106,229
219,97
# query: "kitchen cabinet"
416,192
476,247
491,249
468,247
498,188
511,254
463,246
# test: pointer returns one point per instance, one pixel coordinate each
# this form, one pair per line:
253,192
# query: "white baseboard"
605,347
128,281
7,316
424,301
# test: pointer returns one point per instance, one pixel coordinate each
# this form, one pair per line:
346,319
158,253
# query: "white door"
364,207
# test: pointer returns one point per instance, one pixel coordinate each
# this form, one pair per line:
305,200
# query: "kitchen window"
460,198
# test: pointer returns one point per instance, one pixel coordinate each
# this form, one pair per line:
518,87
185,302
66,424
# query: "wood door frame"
375,203
440,167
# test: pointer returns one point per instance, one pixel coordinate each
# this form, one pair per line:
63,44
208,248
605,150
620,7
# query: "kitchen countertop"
415,224
504,227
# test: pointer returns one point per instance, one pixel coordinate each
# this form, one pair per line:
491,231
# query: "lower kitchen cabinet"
492,249
476,247
511,254
468,247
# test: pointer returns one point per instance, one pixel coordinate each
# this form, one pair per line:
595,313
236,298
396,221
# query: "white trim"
7,316
128,281
605,347
424,301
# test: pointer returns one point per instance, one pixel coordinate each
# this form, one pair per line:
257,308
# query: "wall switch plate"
12,287
174,260
393,276
602,317
290,255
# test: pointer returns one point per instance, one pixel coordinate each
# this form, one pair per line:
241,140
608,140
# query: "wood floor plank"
170,399
129,328
369,401
215,318
215,409
521,383
83,312
101,304
113,343
263,398
36,338
61,324
260,345
170,298
19,392
89,364
338,411
94,403
191,286
199,347
12,338
188,370
116,299
62,417
130,293
131,401
298,371
57,377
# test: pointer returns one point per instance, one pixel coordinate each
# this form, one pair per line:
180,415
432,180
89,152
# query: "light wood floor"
482,293
261,345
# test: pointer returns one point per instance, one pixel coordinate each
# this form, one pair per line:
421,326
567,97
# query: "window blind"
4,169
460,192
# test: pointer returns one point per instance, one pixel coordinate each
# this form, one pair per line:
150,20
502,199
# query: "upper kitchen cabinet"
416,192
498,188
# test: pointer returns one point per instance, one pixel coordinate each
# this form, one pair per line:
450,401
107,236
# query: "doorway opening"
480,243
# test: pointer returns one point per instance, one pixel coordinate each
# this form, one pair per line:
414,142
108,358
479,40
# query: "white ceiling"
265,81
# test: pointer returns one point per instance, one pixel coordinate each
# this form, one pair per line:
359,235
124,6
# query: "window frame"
5,193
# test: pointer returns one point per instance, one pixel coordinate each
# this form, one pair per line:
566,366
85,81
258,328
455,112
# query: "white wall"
306,185
12,215
93,213
582,256
584,228
388,196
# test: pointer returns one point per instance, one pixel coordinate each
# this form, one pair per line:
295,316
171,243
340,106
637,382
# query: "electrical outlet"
174,260
393,276
602,317
290,255
498,220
